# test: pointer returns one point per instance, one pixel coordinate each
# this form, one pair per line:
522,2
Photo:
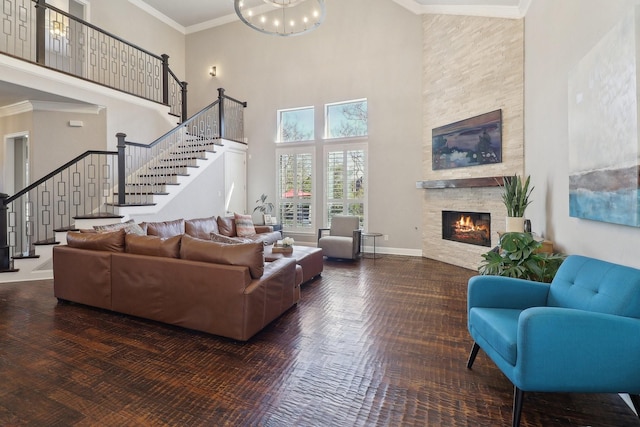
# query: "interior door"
235,182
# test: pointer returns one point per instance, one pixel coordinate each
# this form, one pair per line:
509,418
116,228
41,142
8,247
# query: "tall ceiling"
196,13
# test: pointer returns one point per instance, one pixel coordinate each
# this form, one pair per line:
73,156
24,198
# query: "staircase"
102,187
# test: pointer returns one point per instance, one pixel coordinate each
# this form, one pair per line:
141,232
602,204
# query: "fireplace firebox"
467,227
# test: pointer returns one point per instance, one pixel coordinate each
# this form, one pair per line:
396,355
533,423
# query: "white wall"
365,49
557,36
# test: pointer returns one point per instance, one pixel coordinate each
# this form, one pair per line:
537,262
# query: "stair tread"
50,241
174,167
131,204
147,175
153,184
98,215
180,159
64,229
144,194
25,256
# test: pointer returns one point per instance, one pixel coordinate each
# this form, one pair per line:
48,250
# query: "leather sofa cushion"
499,326
201,228
153,245
166,228
227,226
245,254
110,242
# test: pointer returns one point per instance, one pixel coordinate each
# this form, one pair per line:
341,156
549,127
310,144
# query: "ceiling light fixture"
281,17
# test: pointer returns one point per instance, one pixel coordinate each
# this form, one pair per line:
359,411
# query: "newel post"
6,263
183,89
165,79
221,111
122,175
41,31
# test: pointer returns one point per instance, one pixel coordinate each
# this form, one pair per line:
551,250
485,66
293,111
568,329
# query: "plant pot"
515,224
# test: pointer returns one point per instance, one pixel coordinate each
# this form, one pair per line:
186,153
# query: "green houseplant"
518,256
263,206
515,196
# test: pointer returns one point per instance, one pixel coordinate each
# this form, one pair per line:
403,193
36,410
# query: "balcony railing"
35,31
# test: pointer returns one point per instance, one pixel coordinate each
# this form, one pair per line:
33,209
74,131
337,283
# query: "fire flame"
465,224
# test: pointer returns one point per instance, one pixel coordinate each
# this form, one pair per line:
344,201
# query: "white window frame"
345,146
327,123
312,228
279,129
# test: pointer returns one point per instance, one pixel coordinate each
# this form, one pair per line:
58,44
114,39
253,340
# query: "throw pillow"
244,225
130,227
245,254
108,241
153,245
228,240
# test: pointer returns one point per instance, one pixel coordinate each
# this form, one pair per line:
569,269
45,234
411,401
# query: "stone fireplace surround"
468,195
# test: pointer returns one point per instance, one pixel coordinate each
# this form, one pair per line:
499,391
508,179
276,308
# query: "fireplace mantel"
492,181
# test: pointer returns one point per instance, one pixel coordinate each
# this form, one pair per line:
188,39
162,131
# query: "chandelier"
281,17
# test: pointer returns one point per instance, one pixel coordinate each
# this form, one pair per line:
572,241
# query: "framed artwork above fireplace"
470,142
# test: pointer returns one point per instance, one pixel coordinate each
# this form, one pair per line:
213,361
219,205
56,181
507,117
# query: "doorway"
15,178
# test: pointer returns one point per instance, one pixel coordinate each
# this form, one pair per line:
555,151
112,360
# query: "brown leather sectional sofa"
222,289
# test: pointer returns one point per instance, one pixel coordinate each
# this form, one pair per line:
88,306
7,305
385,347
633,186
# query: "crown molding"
212,23
159,15
511,12
64,107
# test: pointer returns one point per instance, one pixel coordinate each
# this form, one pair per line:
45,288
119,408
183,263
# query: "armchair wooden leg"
635,400
472,355
518,397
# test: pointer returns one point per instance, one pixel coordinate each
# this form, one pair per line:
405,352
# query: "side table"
374,236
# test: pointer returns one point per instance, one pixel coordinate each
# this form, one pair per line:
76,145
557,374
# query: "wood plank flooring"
373,343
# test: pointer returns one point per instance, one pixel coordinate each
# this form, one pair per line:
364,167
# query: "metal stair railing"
147,169
81,187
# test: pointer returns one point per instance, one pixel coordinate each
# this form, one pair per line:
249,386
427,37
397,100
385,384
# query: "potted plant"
518,256
264,206
515,196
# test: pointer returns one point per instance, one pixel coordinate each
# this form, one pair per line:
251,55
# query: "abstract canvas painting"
603,129
469,142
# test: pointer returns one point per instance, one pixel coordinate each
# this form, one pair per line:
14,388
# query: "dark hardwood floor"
376,342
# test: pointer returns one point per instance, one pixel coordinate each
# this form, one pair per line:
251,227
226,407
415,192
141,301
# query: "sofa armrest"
505,292
82,276
357,242
260,229
270,296
321,232
561,349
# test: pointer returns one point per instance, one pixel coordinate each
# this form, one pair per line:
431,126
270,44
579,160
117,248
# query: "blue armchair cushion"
499,327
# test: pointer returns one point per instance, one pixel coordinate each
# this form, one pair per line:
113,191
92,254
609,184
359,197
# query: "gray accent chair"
343,240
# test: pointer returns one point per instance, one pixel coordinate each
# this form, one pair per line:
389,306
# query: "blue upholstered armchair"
579,334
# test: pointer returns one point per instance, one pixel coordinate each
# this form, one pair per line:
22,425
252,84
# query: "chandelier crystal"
281,17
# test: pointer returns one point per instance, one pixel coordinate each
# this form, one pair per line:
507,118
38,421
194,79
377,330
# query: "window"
295,189
345,181
296,124
346,119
